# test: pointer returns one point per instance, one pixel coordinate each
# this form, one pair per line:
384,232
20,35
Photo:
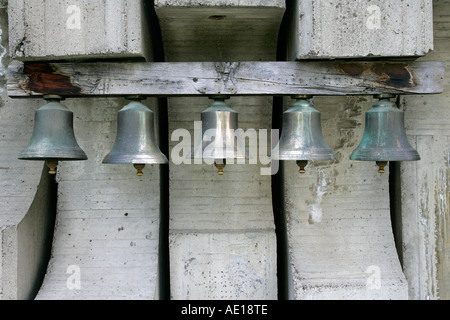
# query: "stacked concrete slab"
341,243
355,29
26,202
425,196
340,238
65,30
106,234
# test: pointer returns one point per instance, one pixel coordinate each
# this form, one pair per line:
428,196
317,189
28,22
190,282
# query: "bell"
384,137
301,138
135,140
218,140
53,137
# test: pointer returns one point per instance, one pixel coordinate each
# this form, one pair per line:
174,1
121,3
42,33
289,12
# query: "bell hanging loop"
53,138
301,137
384,138
135,140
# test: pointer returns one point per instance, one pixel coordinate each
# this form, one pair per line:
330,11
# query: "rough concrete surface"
363,28
83,29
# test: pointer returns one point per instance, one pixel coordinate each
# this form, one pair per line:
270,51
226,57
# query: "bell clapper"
302,164
139,168
381,165
52,164
220,164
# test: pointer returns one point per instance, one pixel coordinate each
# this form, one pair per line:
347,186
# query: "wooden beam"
228,78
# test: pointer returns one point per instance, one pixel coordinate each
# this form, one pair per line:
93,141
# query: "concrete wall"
425,184
26,193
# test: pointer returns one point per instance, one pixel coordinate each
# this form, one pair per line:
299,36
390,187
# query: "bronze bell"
218,140
135,140
53,137
384,137
301,138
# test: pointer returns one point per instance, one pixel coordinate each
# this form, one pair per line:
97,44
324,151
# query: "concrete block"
425,184
218,266
25,201
222,236
365,28
106,237
81,29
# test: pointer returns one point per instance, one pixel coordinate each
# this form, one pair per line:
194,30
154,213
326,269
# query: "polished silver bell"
219,140
53,136
384,137
301,138
135,140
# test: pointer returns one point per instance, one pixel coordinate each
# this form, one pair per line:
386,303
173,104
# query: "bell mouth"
305,153
382,154
326,156
135,159
38,156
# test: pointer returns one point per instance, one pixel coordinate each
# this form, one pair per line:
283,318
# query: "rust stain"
389,75
352,69
45,79
394,75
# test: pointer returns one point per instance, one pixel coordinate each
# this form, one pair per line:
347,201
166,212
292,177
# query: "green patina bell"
384,137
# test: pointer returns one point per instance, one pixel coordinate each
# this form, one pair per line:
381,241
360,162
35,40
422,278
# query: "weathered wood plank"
230,78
